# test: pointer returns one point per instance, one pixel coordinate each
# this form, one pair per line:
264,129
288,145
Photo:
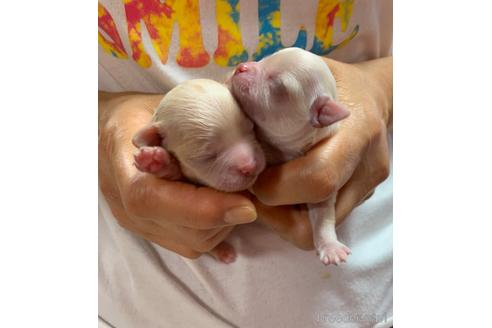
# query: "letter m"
159,18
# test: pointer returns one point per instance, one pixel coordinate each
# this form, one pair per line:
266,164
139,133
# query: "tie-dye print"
328,11
160,16
230,50
269,38
107,25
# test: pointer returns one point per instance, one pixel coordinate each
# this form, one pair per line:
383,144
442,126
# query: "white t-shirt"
150,46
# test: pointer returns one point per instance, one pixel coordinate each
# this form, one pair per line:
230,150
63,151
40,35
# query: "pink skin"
157,161
224,253
290,96
334,253
247,77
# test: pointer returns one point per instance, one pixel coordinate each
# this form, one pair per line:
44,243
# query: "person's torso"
152,45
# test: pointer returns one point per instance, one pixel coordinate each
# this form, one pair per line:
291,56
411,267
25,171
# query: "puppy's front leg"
329,249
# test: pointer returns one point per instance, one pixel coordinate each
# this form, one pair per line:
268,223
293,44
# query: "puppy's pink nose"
241,68
248,168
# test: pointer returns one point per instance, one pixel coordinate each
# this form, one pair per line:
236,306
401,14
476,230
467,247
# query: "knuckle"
201,213
209,216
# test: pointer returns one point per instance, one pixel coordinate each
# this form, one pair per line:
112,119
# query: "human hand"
181,217
353,162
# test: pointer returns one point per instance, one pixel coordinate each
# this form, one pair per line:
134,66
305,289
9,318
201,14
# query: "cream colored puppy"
198,132
291,97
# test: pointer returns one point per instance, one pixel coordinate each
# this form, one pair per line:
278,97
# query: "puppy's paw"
224,253
333,252
151,159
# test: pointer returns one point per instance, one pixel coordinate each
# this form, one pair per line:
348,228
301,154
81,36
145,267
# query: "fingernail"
242,214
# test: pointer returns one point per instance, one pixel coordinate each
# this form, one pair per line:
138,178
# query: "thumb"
187,205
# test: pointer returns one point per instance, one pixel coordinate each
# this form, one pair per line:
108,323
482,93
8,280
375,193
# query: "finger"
187,238
172,246
290,222
195,237
314,177
159,237
185,204
213,241
373,169
206,245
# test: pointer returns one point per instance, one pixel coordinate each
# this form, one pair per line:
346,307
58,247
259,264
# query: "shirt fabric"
152,45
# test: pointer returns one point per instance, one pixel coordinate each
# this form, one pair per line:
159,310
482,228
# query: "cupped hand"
179,216
352,162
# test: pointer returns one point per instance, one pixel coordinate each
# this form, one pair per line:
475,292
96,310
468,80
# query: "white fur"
203,127
277,96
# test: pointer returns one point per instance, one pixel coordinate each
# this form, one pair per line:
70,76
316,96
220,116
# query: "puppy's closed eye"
278,88
207,157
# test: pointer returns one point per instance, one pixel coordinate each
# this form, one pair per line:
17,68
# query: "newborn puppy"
199,132
291,97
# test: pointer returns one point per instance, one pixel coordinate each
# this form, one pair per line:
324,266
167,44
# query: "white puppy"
199,132
291,97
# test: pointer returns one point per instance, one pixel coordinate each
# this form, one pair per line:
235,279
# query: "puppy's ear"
325,111
148,136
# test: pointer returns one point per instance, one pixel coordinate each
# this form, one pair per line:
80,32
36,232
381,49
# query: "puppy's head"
201,124
291,90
